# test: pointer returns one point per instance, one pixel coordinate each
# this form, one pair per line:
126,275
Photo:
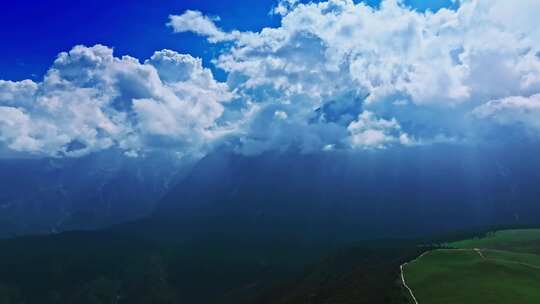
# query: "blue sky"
34,32
324,76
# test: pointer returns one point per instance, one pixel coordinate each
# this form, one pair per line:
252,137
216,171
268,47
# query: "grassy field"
519,240
500,268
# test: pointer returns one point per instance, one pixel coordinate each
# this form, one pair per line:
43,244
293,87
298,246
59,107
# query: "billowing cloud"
514,110
369,132
14,93
284,6
90,100
345,72
196,22
332,75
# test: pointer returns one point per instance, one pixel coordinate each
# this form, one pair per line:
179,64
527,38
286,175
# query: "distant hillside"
52,195
342,196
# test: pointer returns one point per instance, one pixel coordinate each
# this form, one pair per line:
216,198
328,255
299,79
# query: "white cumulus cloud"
331,61
524,111
336,74
370,132
90,100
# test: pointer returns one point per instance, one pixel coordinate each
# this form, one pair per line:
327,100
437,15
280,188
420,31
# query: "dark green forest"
106,267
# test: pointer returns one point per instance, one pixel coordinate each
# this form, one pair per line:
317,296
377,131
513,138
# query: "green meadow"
517,240
501,267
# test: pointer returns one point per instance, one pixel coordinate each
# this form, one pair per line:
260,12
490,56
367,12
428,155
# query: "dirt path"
477,250
518,263
403,276
405,283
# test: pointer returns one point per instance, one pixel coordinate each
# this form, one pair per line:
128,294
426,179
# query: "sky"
80,77
37,30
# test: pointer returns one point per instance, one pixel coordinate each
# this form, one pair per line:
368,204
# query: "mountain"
272,228
351,196
336,195
52,195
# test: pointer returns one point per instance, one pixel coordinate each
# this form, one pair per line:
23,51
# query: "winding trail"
518,263
508,261
405,283
403,276
477,250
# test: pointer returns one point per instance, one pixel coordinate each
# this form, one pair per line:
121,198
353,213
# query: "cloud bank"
90,100
333,75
